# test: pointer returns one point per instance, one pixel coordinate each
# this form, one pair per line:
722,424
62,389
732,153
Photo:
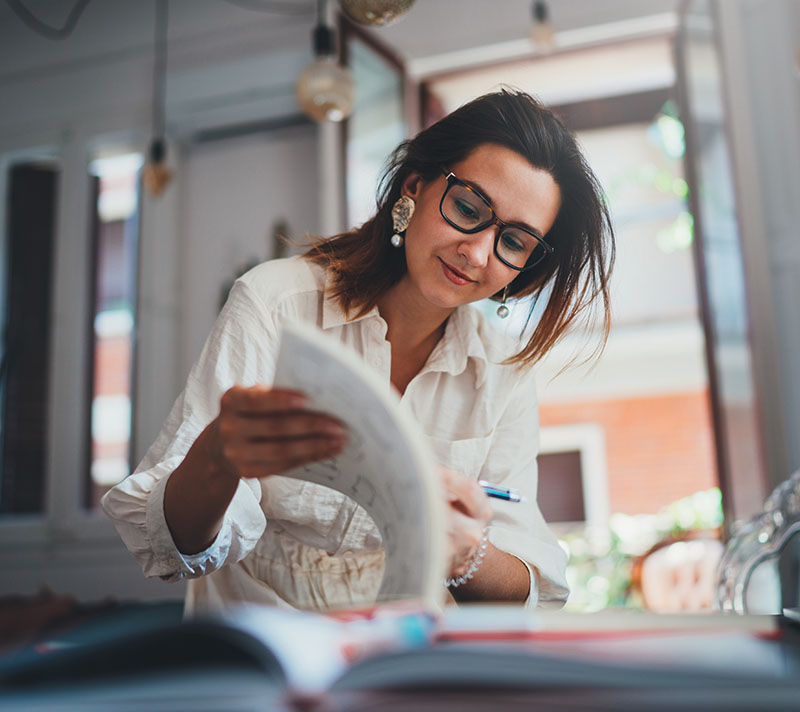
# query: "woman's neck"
413,330
411,321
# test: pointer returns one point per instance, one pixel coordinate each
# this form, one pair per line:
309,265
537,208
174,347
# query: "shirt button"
378,361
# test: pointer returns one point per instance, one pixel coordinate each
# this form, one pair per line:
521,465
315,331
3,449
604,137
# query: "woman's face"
446,267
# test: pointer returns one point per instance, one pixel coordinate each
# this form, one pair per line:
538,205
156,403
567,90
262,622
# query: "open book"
386,466
394,657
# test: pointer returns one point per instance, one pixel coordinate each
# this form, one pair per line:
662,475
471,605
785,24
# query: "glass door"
721,270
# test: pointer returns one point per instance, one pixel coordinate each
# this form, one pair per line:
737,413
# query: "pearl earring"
402,211
503,311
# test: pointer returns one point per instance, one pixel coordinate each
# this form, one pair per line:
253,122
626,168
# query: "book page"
656,664
497,621
308,646
386,466
314,649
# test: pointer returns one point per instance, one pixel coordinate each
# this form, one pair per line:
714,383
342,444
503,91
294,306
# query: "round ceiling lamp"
378,13
325,90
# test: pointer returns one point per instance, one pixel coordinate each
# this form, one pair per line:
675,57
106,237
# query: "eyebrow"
485,195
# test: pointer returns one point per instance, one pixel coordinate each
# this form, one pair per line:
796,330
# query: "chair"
677,574
748,579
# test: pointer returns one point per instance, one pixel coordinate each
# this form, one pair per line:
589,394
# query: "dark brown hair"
365,265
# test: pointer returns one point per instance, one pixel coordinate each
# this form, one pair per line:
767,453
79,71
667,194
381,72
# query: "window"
25,300
73,295
560,494
115,238
573,482
648,399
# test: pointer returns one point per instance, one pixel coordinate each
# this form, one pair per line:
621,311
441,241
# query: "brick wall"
658,448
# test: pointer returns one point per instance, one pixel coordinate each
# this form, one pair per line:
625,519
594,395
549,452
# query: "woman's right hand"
469,512
267,431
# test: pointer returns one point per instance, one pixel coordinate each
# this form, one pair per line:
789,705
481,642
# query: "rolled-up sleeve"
239,350
518,528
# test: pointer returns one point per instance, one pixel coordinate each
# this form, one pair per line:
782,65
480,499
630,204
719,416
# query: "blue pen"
508,495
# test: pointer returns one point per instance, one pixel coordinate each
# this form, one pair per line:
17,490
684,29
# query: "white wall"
234,191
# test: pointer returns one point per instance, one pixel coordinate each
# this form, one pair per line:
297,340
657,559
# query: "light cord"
42,28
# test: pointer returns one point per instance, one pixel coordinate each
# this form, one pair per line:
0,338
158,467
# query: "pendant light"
157,175
542,31
325,90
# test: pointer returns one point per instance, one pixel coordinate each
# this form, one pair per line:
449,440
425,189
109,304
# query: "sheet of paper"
386,466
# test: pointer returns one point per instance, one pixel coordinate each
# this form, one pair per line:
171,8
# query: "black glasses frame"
494,220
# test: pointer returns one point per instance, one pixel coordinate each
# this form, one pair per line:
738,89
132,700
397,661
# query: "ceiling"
231,65
201,30
435,27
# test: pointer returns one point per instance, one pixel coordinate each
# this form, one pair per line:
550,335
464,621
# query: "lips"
454,275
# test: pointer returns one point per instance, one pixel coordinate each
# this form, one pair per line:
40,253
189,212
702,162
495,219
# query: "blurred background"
150,152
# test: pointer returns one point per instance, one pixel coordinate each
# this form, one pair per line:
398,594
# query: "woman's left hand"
468,512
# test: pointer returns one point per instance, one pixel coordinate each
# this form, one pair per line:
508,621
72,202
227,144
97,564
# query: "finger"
465,535
465,532
280,454
466,494
282,425
477,503
485,512
262,399
260,469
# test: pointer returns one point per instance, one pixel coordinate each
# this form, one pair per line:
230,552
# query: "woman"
495,200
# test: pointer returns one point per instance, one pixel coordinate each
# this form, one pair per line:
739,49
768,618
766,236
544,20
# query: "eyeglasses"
468,211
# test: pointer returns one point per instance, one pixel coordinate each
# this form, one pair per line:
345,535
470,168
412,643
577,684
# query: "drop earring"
402,211
503,311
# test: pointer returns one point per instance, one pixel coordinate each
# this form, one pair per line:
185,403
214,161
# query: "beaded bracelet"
472,566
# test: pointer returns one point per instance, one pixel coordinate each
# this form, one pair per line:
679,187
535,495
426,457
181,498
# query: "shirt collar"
332,313
461,340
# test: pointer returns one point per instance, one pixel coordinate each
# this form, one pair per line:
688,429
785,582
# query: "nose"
477,248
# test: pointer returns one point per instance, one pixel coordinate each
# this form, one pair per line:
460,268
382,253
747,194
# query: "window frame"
588,439
91,336
68,547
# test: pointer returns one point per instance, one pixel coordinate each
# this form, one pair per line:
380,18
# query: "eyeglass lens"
469,212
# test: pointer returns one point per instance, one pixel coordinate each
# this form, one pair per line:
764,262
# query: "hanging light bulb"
378,13
542,31
325,91
156,174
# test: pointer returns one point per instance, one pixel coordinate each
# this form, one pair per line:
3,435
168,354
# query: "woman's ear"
412,185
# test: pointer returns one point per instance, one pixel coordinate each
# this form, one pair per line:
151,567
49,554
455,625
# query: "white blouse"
294,543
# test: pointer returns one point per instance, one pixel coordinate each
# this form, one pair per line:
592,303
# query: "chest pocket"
466,455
